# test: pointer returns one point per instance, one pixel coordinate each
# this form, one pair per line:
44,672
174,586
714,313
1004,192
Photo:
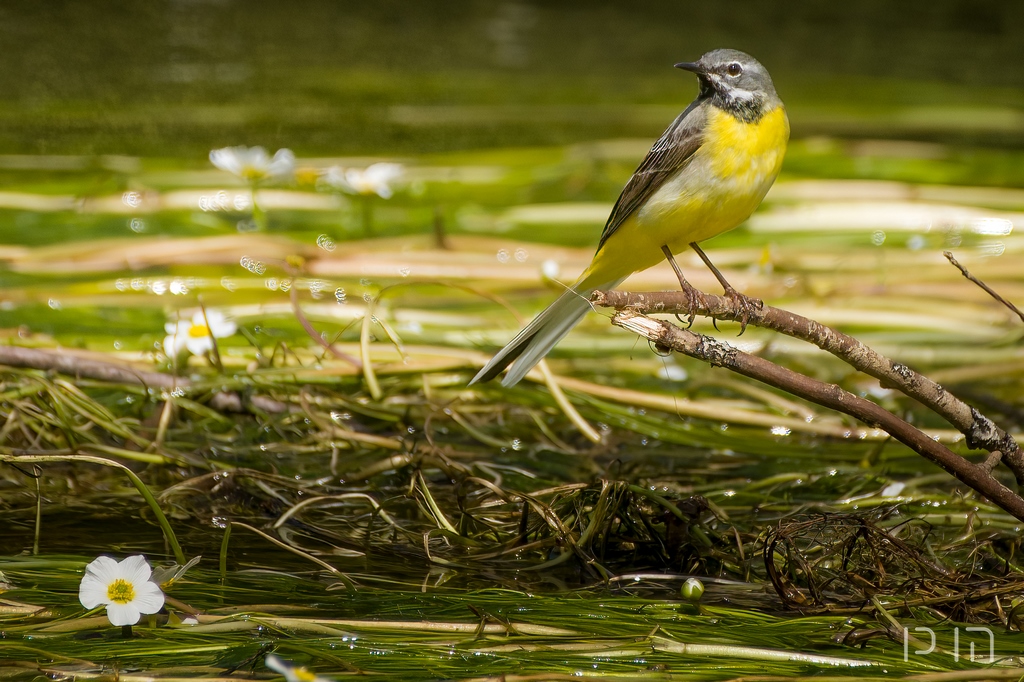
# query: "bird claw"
746,304
695,300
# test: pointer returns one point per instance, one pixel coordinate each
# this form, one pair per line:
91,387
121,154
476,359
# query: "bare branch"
980,431
79,367
986,288
720,354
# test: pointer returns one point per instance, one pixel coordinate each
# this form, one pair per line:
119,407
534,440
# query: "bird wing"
672,151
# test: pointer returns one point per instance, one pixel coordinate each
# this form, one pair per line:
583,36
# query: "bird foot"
746,305
695,300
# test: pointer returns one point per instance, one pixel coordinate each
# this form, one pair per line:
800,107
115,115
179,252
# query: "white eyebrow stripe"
742,95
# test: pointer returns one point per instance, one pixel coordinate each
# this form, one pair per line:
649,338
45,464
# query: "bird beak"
692,67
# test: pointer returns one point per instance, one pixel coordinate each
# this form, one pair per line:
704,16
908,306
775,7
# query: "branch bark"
720,354
980,431
73,365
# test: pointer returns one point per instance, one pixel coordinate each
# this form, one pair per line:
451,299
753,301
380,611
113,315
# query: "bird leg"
746,304
694,298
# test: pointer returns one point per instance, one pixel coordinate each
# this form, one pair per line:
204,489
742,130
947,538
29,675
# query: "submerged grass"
361,511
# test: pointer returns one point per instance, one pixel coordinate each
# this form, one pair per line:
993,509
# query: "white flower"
376,179
195,334
124,587
291,672
253,164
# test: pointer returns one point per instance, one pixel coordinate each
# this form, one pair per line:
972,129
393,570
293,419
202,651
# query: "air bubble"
326,243
340,296
503,255
252,265
137,225
878,237
521,255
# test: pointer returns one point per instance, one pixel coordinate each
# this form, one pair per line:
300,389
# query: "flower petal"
283,163
135,570
169,346
123,614
148,597
92,591
198,345
227,159
103,568
223,328
276,664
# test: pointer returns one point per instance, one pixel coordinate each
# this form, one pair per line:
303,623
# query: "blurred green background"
179,77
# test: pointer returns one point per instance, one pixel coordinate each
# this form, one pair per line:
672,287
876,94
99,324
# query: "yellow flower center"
304,675
120,591
198,331
252,173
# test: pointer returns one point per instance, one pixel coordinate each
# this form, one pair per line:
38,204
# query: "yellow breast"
716,191
735,147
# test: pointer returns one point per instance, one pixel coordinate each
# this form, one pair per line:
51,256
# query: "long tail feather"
542,334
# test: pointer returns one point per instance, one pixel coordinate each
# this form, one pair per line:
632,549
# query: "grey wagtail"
705,175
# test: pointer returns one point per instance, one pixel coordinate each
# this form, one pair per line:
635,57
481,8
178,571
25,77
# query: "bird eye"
734,69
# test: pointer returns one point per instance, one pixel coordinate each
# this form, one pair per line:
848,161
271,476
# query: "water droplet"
503,255
54,304
340,296
878,237
271,283
117,345
517,444
326,243
365,282
219,522
915,243
780,431
252,265
404,271
367,297
521,255
137,225
244,226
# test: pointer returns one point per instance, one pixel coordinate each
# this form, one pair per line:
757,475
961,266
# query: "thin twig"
978,429
986,288
720,354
